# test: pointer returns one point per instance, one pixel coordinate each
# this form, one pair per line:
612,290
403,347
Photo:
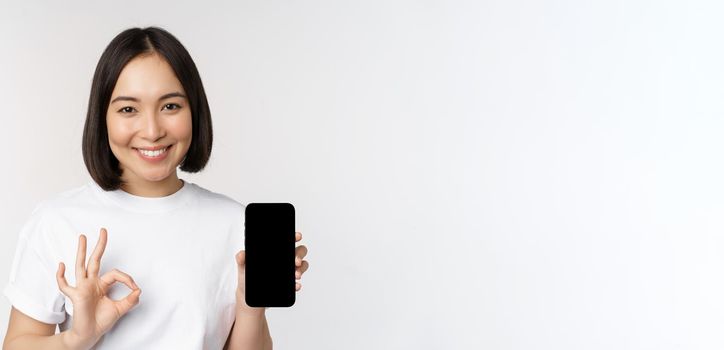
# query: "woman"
147,115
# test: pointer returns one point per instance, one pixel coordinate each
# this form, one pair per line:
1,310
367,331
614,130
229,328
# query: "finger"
298,236
116,275
94,264
300,270
240,257
126,304
298,286
301,252
62,283
80,272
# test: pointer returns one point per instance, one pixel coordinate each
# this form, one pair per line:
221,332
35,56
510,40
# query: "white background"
467,175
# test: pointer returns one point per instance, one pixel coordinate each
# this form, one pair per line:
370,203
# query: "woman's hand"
94,313
301,266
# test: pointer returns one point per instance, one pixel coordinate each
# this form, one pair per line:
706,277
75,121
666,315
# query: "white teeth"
152,153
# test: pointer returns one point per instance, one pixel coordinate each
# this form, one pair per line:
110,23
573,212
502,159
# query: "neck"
145,188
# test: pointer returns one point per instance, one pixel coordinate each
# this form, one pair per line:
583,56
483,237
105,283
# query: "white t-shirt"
179,249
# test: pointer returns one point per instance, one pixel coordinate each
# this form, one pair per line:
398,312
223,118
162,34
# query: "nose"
152,129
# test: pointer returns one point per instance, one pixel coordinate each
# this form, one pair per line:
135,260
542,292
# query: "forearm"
250,331
267,336
59,341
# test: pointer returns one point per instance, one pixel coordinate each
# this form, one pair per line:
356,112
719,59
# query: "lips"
153,154
153,148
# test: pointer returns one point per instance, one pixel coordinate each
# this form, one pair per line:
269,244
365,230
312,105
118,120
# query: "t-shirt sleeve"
32,288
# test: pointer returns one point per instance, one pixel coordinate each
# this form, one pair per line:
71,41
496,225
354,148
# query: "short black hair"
99,160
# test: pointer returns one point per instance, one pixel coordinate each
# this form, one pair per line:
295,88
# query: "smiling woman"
183,244
146,94
149,128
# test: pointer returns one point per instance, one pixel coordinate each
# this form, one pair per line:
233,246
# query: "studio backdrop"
467,174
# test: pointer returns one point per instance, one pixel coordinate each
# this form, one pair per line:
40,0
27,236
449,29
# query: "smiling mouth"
153,153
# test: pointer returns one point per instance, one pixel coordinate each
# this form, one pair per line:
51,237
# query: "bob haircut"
99,160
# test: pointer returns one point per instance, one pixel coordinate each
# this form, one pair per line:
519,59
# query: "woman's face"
149,120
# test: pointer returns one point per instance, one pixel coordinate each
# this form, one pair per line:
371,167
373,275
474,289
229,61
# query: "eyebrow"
168,95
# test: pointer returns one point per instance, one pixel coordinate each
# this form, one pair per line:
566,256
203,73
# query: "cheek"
118,133
182,128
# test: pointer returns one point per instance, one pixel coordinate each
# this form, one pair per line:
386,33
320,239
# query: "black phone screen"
270,252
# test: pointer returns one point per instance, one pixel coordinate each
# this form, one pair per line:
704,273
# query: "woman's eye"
171,106
126,110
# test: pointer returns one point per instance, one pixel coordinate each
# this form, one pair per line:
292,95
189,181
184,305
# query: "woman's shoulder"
46,211
62,199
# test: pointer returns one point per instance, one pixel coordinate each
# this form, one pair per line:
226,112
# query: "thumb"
126,304
241,257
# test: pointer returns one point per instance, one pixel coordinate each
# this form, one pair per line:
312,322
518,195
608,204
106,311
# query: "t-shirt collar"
147,204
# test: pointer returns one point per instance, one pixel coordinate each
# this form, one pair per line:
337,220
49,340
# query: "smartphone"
269,241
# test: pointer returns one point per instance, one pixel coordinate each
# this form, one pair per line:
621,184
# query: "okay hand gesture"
94,313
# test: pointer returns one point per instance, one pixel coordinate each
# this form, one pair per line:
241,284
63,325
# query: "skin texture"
145,116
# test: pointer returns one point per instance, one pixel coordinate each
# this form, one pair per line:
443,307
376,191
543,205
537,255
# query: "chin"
156,177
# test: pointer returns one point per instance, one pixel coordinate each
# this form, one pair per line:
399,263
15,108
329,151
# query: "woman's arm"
250,331
93,316
24,332
267,336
